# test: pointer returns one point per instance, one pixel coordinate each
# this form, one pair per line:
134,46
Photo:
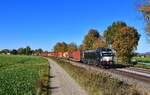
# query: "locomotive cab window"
106,54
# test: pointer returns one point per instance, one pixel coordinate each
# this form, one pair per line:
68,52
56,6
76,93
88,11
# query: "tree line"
64,47
23,51
119,36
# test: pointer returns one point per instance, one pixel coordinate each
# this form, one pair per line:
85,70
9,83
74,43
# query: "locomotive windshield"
106,50
107,54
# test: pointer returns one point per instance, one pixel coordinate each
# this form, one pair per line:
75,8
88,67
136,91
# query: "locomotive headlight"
107,59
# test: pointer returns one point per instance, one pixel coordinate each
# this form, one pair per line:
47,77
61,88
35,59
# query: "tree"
14,52
81,47
72,47
145,9
92,40
38,51
21,51
111,31
45,51
100,43
60,47
125,42
25,51
35,52
28,50
5,51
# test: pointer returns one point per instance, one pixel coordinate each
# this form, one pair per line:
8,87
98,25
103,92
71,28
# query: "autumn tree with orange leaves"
125,42
93,40
64,47
60,47
99,43
111,31
72,47
123,39
145,9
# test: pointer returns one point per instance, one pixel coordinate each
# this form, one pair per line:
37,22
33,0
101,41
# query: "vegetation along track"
141,82
98,83
134,77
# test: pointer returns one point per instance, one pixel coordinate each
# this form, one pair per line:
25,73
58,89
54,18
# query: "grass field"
96,83
145,65
140,59
142,66
23,75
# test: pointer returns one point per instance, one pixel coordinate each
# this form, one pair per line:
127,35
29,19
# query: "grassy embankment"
145,60
96,83
23,75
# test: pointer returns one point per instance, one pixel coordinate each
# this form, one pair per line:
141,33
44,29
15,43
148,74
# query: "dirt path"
62,83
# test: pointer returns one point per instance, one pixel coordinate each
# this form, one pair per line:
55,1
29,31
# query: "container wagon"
75,55
98,57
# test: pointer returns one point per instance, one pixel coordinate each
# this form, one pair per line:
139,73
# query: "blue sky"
42,23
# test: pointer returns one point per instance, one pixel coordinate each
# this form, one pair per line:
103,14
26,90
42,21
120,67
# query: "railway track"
144,77
134,76
147,71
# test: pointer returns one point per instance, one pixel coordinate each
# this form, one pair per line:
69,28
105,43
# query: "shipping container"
66,55
76,55
60,54
44,54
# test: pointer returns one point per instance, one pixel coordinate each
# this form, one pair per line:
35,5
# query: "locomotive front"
107,56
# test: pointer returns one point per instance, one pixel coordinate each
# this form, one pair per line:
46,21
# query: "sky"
43,23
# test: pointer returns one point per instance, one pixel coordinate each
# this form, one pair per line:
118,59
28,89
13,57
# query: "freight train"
99,57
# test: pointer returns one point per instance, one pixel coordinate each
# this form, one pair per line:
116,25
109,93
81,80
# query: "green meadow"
23,75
